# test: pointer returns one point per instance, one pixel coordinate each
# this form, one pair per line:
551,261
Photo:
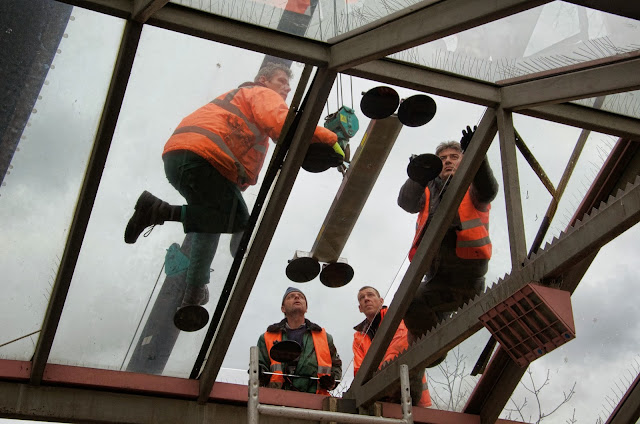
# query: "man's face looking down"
450,160
278,83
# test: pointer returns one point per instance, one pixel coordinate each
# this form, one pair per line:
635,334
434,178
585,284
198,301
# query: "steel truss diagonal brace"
597,229
428,247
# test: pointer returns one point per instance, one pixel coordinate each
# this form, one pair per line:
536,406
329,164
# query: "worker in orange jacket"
457,272
372,306
318,366
215,153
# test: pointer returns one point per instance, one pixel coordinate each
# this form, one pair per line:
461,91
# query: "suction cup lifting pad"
336,274
424,168
285,351
191,318
320,157
379,102
417,110
302,270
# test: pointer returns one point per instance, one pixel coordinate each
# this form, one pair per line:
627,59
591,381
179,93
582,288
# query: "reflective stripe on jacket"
472,237
232,132
323,356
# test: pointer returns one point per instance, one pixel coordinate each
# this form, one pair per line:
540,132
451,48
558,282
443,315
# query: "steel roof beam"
427,23
239,34
597,81
628,409
143,9
587,118
599,228
118,8
429,81
426,252
87,196
626,8
317,96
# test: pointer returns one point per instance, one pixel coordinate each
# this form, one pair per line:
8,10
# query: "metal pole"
252,403
405,394
313,415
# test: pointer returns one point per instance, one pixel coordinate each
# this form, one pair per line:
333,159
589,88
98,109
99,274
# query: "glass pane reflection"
116,284
40,190
547,37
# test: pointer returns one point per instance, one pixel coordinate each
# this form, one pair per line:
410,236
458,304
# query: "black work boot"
149,211
195,295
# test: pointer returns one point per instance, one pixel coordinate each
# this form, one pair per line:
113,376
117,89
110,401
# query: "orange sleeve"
358,353
269,112
398,344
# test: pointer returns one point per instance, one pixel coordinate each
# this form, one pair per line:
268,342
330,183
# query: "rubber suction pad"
424,168
191,318
302,270
336,274
417,110
379,102
285,351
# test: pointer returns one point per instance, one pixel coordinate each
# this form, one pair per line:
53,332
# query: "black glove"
467,135
327,382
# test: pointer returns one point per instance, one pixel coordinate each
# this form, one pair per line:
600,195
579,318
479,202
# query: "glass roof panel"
315,19
544,38
116,285
378,245
40,189
627,104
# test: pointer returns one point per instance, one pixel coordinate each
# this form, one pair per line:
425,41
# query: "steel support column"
511,181
317,96
88,191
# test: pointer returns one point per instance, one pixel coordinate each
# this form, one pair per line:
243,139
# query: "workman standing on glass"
372,306
457,271
318,366
213,155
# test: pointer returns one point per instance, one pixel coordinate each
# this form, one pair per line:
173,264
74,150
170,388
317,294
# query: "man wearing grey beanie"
318,366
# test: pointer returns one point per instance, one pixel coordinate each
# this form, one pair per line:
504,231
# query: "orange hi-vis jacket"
472,238
362,342
323,356
232,132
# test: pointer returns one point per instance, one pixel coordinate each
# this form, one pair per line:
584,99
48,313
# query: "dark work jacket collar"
282,326
371,329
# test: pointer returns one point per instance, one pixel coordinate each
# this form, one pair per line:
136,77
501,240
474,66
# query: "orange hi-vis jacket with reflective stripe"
362,342
472,238
232,132
323,356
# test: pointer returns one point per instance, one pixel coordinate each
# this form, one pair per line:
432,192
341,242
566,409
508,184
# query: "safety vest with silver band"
323,356
472,239
253,139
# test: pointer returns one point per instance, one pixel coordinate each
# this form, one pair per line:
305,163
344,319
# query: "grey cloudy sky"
172,76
